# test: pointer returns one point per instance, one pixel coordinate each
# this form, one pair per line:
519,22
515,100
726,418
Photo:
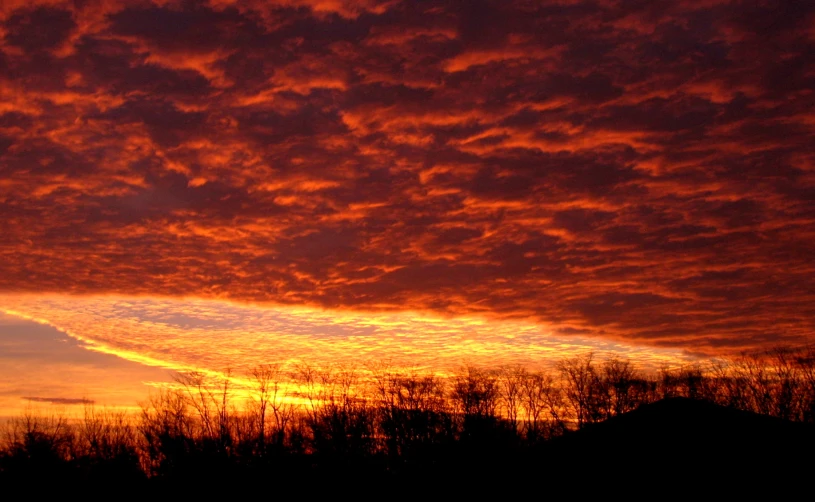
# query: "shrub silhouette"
306,423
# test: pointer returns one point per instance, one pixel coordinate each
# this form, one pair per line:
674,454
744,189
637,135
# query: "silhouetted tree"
581,389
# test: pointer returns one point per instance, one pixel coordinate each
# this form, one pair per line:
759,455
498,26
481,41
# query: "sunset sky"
224,183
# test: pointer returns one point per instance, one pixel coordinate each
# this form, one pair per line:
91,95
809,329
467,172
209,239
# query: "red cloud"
639,172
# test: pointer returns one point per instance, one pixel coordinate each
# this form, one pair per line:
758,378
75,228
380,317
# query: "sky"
42,370
637,174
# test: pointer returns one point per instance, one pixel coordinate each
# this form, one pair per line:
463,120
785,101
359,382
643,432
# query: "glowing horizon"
209,336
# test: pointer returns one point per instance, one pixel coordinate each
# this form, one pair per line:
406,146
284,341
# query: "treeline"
307,423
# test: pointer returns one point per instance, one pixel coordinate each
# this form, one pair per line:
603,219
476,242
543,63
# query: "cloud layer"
214,336
633,170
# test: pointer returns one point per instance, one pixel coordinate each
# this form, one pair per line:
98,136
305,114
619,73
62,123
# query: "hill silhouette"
689,443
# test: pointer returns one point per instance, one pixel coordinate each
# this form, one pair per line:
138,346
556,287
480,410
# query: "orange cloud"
627,172
186,334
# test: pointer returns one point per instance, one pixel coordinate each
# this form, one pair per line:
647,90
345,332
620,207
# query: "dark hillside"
688,443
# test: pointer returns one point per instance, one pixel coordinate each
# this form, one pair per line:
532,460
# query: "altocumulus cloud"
640,171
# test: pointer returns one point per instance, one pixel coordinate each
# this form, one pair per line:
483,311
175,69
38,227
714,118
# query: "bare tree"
511,382
543,406
619,377
579,381
268,397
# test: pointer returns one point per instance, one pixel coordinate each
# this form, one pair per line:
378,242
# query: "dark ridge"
689,443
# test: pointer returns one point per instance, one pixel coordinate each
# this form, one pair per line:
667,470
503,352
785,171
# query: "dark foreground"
677,444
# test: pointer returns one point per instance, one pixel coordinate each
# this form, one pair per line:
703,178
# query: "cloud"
185,334
58,400
636,172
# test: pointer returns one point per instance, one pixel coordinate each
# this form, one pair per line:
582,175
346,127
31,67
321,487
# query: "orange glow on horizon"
220,338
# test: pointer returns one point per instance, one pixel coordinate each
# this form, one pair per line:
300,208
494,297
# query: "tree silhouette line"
306,423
